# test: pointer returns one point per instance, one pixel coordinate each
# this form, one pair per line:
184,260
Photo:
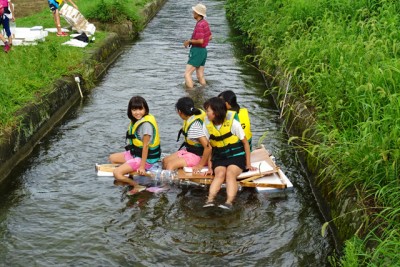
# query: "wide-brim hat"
200,9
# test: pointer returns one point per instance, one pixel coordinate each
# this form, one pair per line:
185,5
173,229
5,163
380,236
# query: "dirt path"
25,8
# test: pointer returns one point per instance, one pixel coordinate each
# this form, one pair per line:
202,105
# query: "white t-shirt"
235,130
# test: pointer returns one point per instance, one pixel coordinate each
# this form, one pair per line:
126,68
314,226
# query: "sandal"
62,34
209,204
226,206
136,190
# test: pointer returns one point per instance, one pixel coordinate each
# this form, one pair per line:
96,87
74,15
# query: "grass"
27,72
343,59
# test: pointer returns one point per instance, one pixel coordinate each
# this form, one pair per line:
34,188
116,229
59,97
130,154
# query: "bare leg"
56,17
119,174
232,173
188,75
173,162
2,38
117,158
200,75
218,180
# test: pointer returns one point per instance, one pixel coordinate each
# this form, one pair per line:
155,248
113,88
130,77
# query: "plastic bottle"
162,176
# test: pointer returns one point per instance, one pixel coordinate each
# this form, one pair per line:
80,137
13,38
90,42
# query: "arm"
193,41
72,3
11,6
206,154
145,153
210,170
247,151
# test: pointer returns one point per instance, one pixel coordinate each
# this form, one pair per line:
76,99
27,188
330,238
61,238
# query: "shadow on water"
56,211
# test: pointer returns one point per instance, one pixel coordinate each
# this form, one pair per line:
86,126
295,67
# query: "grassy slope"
343,59
27,71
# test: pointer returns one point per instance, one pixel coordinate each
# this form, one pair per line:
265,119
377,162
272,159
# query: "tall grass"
27,71
343,57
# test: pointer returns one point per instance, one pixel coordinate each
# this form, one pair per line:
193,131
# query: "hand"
251,168
141,171
196,169
209,172
186,43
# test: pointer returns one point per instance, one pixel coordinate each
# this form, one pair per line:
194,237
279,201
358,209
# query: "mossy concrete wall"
39,118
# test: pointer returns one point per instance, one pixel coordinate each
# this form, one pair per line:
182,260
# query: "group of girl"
217,137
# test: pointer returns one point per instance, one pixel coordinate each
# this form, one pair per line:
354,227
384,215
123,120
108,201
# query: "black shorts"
239,161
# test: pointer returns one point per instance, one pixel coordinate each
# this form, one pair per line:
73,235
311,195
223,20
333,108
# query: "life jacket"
191,145
135,145
244,120
224,143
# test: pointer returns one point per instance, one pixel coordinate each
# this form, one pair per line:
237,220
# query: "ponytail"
186,106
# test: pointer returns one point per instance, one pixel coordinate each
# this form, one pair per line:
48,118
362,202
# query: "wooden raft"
246,179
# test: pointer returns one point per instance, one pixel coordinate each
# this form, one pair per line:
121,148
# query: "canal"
56,211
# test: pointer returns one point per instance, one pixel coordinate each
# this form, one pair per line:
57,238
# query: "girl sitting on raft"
231,104
197,148
230,150
143,148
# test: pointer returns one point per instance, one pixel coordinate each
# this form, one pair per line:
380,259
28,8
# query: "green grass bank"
340,60
27,71
38,82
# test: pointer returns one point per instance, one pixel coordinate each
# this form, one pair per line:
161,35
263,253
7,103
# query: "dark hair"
230,97
186,106
218,106
137,102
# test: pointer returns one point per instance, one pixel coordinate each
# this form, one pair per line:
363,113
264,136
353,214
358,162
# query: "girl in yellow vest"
143,148
196,146
230,150
231,104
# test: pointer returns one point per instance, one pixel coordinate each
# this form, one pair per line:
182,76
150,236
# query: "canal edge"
40,118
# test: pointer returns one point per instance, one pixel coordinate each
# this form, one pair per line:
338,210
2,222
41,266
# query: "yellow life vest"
135,144
244,120
191,145
224,143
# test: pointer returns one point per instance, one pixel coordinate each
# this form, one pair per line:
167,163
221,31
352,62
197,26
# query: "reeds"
343,57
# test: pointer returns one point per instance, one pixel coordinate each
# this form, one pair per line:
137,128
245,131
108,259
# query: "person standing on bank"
6,13
197,43
54,5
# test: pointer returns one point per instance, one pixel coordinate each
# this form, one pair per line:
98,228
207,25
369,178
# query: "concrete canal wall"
38,119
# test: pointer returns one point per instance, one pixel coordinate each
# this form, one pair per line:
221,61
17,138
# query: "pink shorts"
135,162
190,158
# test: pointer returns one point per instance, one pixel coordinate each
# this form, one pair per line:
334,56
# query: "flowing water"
56,211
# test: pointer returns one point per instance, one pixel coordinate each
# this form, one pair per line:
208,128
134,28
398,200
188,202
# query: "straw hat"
200,9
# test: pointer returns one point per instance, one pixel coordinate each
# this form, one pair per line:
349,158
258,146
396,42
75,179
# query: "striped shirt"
201,31
195,131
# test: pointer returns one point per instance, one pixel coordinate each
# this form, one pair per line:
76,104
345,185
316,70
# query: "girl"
54,5
231,104
230,150
6,13
197,149
143,148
